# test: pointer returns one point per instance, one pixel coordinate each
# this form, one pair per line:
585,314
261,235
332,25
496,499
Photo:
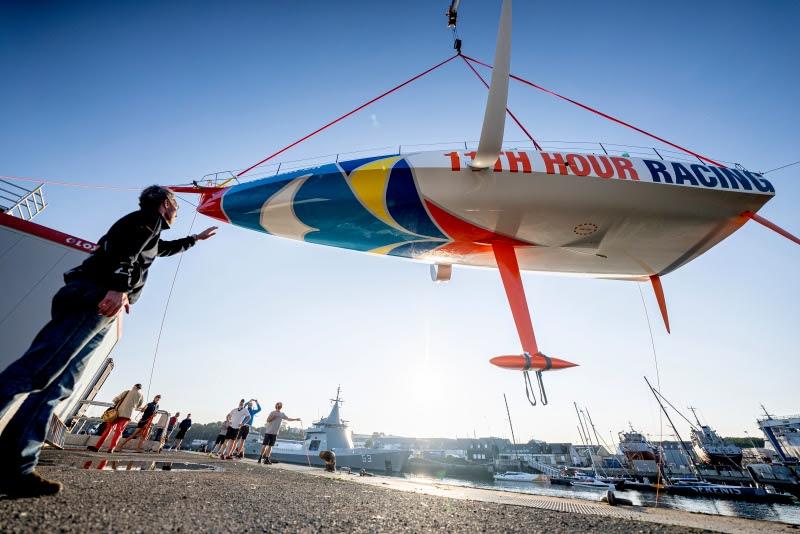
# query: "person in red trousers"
126,402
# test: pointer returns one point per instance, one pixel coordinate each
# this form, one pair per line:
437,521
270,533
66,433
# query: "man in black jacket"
184,427
82,312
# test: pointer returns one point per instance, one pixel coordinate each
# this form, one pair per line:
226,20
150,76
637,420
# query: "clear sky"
134,93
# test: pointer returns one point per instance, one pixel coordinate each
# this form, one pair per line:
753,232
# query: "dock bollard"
329,457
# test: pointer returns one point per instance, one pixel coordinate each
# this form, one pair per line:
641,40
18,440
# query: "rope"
164,317
658,381
677,411
652,340
604,115
70,184
303,430
468,64
331,123
84,186
781,167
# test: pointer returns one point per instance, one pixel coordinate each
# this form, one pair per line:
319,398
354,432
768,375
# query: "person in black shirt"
83,311
185,425
143,427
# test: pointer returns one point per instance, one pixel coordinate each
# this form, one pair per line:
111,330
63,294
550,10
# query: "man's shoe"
267,461
259,459
92,448
29,485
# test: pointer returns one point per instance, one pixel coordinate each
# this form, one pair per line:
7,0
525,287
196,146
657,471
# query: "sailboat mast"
513,438
584,433
680,439
596,437
588,439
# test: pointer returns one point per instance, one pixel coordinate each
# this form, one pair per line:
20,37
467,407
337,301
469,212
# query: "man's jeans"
48,372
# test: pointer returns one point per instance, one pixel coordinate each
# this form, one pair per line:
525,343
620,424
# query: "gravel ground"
252,498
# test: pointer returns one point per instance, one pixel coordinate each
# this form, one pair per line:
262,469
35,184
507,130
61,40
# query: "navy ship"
332,434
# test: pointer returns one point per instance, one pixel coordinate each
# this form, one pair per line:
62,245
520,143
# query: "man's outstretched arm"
169,248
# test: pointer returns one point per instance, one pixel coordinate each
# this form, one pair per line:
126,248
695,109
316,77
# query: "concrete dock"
123,493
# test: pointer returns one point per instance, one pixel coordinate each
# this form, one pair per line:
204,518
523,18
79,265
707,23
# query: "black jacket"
125,253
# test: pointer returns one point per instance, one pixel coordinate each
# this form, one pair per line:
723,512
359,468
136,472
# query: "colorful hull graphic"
569,213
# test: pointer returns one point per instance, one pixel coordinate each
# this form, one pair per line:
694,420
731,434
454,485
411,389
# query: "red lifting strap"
605,115
359,108
521,127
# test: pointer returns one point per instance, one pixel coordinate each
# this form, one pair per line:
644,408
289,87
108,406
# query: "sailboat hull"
566,213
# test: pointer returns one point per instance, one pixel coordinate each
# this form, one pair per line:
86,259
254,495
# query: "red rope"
359,108
507,110
605,115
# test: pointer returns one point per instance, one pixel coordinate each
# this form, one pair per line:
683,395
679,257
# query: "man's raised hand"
205,234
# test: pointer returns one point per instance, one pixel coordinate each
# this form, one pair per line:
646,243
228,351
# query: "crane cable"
342,117
535,144
604,115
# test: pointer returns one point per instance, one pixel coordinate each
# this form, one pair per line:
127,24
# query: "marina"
781,513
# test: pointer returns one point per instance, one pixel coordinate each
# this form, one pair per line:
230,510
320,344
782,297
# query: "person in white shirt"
239,416
274,420
161,431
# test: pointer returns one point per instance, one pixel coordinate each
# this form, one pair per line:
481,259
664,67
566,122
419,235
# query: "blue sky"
133,93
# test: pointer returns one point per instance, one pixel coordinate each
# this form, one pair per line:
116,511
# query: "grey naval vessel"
331,434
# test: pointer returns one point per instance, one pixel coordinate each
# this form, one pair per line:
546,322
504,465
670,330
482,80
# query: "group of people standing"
132,400
232,435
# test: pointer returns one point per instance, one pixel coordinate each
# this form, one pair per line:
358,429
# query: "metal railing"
582,147
56,432
544,468
20,202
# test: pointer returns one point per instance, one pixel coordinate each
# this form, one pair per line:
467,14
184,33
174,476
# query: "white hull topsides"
599,215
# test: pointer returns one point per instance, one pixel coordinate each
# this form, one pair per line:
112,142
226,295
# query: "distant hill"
746,443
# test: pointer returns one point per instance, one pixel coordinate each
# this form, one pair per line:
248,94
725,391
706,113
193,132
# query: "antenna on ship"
765,411
337,400
694,411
